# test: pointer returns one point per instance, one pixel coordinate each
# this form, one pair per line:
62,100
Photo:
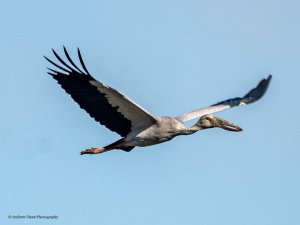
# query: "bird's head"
210,121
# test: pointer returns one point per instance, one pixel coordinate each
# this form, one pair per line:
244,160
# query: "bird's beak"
227,125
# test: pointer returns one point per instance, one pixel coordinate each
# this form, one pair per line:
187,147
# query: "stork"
135,125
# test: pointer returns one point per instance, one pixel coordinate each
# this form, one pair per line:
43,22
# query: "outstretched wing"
252,96
105,104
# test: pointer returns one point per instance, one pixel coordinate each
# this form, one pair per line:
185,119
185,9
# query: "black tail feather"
118,142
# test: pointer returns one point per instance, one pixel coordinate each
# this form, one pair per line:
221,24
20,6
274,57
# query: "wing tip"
269,78
67,68
266,83
82,62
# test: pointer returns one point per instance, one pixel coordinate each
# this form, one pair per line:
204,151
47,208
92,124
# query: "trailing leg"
120,144
93,151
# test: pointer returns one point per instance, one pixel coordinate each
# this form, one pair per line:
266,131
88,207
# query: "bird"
136,126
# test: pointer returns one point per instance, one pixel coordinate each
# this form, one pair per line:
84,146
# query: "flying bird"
136,126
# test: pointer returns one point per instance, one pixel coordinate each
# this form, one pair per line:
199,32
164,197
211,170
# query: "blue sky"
171,57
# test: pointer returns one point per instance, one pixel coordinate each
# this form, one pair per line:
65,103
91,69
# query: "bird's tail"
119,145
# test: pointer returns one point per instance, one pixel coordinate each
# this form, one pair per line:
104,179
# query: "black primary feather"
77,84
252,96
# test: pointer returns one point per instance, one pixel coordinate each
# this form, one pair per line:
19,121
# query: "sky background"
171,57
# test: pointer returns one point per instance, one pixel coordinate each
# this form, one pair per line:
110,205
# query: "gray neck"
191,130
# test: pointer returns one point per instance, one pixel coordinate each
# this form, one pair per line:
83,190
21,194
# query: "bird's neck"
191,130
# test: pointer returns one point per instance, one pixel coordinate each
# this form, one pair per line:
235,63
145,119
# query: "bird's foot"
93,151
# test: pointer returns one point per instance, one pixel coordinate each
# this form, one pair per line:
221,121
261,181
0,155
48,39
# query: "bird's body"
137,126
165,129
